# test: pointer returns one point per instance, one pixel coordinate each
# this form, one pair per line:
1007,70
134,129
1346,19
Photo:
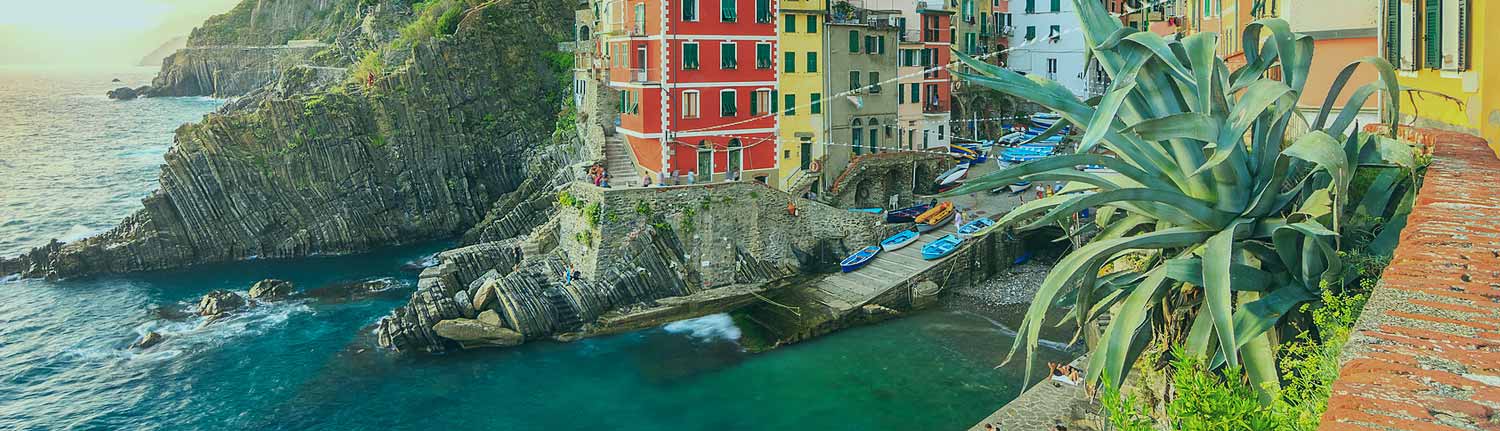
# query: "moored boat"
1019,187
906,215
952,176
941,247
976,227
944,209
900,240
935,223
859,259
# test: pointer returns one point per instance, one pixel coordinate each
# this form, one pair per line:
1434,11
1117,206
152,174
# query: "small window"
690,10
762,56
763,11
690,56
760,103
789,62
869,44
817,103
690,104
727,56
857,132
789,24
853,41
812,62
812,23
728,106
909,57
790,102
727,11
874,82
854,80
1054,33
916,93
880,45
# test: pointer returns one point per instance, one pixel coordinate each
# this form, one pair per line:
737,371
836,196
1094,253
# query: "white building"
1046,42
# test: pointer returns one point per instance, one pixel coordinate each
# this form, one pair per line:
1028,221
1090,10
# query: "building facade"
800,81
696,81
861,113
1046,44
1441,48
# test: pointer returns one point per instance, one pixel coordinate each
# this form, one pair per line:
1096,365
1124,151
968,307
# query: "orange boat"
937,214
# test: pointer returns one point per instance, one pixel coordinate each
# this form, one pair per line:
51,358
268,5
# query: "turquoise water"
307,364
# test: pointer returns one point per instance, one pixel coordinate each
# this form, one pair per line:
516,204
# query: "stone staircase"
622,170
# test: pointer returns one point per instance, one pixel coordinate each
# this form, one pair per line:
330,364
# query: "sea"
73,163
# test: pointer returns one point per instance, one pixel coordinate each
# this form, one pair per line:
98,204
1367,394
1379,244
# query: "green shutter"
853,80
1030,32
1464,27
773,100
1030,6
690,56
789,62
789,24
1432,57
812,62
1393,32
754,103
791,104
900,93
853,41
817,103
812,23
881,43
763,11
1056,5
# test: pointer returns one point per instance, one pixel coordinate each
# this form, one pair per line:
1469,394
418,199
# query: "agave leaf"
1104,116
1387,83
1322,149
1378,196
1175,202
1081,263
1218,289
1385,150
1124,226
1051,131
1247,278
1120,335
1201,334
1187,125
1258,315
1260,366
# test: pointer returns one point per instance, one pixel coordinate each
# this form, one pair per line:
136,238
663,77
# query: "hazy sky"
95,32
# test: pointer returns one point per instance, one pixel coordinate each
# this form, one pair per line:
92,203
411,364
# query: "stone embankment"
418,153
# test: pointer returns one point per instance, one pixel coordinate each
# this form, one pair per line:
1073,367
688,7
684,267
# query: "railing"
638,30
640,75
934,107
877,20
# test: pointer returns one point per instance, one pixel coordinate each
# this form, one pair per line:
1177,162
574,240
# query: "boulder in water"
127,93
219,302
271,290
340,292
146,341
472,333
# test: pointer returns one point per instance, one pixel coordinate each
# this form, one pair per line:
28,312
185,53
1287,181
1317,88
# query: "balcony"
935,107
641,75
879,20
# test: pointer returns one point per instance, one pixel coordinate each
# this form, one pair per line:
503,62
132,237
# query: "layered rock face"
226,71
416,154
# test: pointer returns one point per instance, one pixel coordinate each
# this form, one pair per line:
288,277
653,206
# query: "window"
763,11
690,56
789,62
1056,5
1030,32
689,10
869,44
812,62
816,102
762,56
812,23
728,106
916,93
1051,66
853,41
854,80
727,56
909,57
1456,31
690,104
790,104
727,11
900,93
880,45
760,103
874,136
1054,34
1030,6
705,162
926,57
940,132
806,162
773,99
640,19
874,82
857,132
789,24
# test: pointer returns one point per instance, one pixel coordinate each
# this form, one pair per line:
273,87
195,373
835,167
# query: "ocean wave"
193,335
707,328
79,232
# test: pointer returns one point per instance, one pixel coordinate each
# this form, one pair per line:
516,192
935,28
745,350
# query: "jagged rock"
464,305
490,317
146,341
472,333
214,318
420,152
127,93
271,290
485,298
219,302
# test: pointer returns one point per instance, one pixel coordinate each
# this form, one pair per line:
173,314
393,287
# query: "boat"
859,259
951,177
906,215
941,247
900,240
867,210
1019,187
976,227
935,218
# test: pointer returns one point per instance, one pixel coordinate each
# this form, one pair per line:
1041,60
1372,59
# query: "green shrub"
566,199
591,213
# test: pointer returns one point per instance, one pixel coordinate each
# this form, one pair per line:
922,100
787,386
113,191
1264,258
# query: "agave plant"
1236,215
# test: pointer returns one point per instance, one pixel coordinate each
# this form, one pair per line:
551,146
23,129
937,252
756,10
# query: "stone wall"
871,180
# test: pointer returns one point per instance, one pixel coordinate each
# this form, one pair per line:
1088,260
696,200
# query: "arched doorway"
736,160
705,162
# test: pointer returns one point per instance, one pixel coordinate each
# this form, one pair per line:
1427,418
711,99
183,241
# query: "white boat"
953,175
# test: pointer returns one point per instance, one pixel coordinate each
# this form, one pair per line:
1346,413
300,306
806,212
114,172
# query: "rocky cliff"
409,154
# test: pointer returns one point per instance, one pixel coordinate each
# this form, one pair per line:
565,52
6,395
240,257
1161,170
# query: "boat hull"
899,241
975,228
859,259
942,247
934,224
906,215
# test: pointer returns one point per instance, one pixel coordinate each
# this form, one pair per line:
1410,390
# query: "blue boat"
900,240
976,227
906,215
867,210
859,259
941,247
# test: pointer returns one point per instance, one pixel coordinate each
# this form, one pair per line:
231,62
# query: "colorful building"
925,90
1044,44
800,80
1441,48
696,82
861,46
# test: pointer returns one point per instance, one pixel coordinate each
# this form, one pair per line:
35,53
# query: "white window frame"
1451,47
692,104
762,102
697,12
731,95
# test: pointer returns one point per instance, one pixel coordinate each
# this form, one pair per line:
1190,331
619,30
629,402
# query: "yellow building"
800,82
1442,53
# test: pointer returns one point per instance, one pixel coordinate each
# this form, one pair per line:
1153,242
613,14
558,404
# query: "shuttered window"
853,41
817,103
1393,31
1056,5
763,11
812,62
690,56
789,62
1432,32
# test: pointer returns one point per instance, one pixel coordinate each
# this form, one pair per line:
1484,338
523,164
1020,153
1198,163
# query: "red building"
697,84
937,38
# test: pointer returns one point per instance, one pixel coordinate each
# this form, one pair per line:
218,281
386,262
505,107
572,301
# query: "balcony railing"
934,107
640,75
879,20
